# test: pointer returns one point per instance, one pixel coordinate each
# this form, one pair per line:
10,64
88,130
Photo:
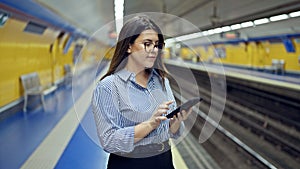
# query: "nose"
154,50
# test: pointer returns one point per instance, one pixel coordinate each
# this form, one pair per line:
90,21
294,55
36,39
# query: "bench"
278,65
32,86
68,74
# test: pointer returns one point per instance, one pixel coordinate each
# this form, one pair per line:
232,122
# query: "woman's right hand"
157,116
143,129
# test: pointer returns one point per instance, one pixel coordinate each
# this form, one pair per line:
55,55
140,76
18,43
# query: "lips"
151,56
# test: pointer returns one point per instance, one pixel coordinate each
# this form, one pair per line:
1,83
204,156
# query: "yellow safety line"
177,159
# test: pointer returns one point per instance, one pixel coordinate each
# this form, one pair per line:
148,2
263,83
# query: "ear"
129,49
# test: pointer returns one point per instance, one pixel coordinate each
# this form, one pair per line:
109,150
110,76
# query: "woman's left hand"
176,121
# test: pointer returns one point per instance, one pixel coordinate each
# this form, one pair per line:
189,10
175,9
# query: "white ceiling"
90,15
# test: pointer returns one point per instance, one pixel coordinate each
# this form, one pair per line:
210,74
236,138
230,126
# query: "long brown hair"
128,34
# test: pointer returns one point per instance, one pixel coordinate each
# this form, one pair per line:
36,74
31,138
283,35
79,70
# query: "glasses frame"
149,46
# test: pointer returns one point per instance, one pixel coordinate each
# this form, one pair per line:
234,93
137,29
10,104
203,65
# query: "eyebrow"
150,40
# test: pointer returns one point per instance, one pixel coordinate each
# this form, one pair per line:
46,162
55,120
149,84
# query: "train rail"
266,141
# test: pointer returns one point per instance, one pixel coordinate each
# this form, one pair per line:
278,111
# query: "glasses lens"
149,47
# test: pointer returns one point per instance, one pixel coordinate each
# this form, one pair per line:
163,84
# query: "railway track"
271,142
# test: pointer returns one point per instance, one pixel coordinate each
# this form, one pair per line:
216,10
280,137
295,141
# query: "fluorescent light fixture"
279,17
119,14
295,14
261,21
189,36
236,26
211,32
226,28
247,24
170,41
218,30
205,33
197,35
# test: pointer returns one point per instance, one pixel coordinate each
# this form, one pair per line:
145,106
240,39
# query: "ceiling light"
218,30
119,14
211,31
295,14
169,42
236,26
226,28
189,36
279,17
247,24
205,33
261,21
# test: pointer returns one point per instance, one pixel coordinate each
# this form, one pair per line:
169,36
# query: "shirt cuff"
122,141
125,138
178,133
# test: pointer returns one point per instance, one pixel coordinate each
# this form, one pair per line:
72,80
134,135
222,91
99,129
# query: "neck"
141,75
138,72
132,67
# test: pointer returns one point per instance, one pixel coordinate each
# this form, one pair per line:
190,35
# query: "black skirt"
160,161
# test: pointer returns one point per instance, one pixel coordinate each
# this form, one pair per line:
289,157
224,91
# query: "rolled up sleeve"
178,133
113,138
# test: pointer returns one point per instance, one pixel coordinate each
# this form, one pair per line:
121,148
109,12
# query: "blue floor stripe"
21,136
82,151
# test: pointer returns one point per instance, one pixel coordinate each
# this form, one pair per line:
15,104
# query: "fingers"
177,117
183,115
165,104
190,110
164,107
157,117
162,111
168,102
160,118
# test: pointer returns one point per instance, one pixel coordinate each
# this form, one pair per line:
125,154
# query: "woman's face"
144,50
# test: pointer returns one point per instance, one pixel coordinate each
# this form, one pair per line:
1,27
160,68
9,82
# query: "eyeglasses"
149,46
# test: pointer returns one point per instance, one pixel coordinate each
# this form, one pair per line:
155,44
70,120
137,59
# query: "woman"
133,97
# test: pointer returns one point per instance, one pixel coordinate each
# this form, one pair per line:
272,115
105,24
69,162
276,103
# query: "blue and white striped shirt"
119,103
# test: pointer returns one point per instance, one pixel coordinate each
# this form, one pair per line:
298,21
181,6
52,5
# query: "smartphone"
185,106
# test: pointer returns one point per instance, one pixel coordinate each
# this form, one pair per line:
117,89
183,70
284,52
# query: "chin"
149,66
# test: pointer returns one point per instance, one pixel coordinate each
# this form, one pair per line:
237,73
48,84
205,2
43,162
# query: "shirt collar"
125,74
154,72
